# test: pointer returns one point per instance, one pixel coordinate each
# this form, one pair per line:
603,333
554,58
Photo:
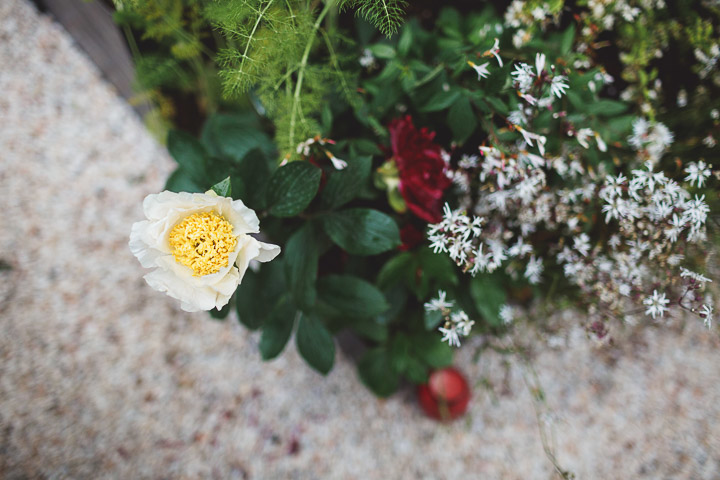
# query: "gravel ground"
101,377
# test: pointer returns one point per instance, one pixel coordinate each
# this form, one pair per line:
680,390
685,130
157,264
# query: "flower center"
203,242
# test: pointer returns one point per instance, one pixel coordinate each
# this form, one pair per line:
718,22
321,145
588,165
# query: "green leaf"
223,188
382,51
315,344
396,270
254,168
405,42
344,185
428,347
233,136
277,329
488,295
400,352
371,329
352,296
189,153
362,231
223,312
440,101
301,264
292,188
607,108
432,319
375,369
416,372
258,293
461,120
567,40
497,104
180,181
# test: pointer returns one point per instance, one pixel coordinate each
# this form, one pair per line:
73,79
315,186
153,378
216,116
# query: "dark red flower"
446,395
421,168
411,237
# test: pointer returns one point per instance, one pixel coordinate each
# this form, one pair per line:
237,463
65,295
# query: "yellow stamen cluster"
203,242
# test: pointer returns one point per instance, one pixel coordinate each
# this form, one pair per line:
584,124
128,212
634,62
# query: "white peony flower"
198,245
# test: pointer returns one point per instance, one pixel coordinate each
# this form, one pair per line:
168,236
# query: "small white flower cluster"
456,322
539,86
656,209
650,139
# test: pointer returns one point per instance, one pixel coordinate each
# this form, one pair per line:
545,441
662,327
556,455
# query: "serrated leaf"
461,120
362,231
375,370
292,188
352,296
315,344
223,188
301,264
344,185
277,329
189,153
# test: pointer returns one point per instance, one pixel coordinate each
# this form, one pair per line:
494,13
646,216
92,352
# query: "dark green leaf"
301,263
382,51
233,136
352,296
431,350
488,295
440,101
344,185
277,329
222,313
416,372
567,40
315,344
396,270
223,188
400,352
371,329
461,119
432,319
362,231
255,169
180,181
497,104
292,188
189,153
376,372
258,293
607,108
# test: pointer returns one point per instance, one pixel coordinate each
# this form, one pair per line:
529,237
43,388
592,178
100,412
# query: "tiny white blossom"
507,314
684,272
534,269
697,173
656,304
559,85
438,304
481,70
450,335
581,243
706,312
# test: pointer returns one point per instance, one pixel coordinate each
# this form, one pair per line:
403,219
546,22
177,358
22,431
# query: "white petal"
267,252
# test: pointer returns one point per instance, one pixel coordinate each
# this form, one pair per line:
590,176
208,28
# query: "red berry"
446,395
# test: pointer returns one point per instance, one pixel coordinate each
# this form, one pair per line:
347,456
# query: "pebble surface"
102,377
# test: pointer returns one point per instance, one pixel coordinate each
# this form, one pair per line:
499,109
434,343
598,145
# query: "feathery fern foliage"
385,15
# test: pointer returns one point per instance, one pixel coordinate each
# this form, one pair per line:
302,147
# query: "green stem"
301,71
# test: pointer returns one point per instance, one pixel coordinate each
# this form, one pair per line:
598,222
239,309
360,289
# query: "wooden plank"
92,27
